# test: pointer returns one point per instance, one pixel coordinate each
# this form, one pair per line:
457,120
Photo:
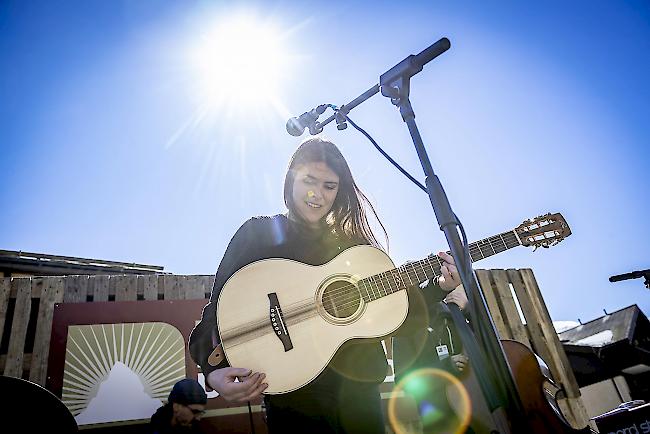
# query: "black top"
278,237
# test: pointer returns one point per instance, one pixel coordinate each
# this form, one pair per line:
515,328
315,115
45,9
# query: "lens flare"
428,391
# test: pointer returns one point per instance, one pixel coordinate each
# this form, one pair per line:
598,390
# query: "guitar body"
541,412
287,319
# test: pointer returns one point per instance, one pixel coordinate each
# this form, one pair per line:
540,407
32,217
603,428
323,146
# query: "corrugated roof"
53,264
607,329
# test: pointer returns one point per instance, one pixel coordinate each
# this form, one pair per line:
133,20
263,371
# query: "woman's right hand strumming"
249,387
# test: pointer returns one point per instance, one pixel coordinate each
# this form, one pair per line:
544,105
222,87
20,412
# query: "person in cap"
184,408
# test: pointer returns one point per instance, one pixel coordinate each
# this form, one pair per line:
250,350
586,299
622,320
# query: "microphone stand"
493,373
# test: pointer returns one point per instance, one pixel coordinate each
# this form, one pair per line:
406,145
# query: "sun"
241,63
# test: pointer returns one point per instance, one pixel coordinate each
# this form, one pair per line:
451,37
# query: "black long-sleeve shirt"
357,361
278,237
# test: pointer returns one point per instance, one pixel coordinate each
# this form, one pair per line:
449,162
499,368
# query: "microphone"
296,126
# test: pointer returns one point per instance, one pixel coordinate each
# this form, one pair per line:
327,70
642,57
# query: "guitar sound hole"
341,299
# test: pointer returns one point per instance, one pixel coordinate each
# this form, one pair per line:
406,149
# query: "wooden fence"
505,291
27,306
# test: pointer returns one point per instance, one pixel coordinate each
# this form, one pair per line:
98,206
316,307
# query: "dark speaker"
625,420
33,408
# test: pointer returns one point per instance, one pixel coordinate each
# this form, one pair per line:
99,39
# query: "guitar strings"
391,281
349,295
385,278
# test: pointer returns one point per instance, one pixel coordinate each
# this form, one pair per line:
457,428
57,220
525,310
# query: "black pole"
493,372
499,391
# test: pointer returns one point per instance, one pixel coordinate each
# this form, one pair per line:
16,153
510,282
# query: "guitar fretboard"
413,273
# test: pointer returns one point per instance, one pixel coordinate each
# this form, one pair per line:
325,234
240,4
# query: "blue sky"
108,151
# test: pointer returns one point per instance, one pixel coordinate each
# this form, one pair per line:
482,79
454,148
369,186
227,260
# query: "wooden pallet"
27,308
519,313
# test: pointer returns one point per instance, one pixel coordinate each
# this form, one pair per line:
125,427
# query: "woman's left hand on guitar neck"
449,278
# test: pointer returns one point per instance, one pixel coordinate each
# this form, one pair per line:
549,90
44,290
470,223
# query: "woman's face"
315,187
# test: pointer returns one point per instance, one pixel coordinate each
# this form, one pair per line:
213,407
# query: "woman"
326,215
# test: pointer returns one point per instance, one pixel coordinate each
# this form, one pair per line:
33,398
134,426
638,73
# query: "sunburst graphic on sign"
154,353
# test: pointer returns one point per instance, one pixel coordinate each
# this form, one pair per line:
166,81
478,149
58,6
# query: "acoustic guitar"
288,319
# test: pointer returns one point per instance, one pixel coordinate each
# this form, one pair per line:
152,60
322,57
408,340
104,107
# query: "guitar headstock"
543,231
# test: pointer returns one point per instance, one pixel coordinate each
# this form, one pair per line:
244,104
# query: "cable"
250,417
388,157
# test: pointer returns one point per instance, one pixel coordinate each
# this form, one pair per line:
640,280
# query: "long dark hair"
348,214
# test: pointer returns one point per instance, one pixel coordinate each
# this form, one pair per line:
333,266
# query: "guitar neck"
413,273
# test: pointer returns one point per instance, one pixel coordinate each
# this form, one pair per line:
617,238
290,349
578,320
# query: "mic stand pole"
395,85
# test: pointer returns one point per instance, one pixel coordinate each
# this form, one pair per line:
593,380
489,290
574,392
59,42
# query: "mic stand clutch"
493,373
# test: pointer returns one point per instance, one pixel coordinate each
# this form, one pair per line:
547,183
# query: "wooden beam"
126,288
27,361
52,289
558,357
484,280
533,321
14,364
99,287
194,287
171,287
76,289
5,291
509,308
150,287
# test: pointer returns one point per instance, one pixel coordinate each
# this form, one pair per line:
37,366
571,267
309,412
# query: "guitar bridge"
277,322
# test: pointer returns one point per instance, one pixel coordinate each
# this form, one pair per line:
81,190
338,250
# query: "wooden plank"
558,358
140,287
209,285
171,287
76,289
508,307
5,290
111,288
14,364
575,412
126,288
27,360
161,287
100,287
36,293
537,338
150,286
52,289
484,280
194,287
185,287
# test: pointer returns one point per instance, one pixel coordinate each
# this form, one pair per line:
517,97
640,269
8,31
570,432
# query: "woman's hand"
458,297
449,278
460,361
249,387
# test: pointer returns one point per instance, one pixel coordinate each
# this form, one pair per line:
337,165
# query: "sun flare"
241,63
